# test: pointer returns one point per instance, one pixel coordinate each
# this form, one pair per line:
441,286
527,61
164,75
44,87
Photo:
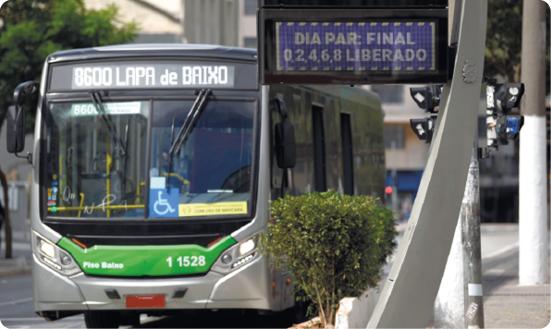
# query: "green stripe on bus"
146,260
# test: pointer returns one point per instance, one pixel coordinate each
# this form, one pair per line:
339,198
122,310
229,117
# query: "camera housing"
424,128
501,127
428,97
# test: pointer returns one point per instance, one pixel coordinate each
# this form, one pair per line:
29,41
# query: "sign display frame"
275,22
154,74
355,3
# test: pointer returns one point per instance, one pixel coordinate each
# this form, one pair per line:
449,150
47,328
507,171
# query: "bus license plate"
145,301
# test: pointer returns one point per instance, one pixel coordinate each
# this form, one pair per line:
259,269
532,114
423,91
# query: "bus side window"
320,177
347,154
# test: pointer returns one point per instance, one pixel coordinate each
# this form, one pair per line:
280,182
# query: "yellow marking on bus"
212,209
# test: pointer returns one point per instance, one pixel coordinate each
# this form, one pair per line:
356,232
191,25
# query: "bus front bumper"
244,288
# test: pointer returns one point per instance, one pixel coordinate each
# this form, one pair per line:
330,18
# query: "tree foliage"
30,30
504,40
333,244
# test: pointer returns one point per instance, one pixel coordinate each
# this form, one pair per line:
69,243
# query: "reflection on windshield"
85,176
211,173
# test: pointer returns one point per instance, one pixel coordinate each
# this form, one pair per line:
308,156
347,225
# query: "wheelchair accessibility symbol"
163,204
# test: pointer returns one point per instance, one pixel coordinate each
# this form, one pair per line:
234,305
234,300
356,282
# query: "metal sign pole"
470,240
407,299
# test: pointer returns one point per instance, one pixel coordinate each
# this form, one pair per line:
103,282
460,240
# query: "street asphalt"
506,304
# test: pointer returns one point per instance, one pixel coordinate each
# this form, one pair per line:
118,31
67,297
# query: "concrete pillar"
533,231
448,306
407,299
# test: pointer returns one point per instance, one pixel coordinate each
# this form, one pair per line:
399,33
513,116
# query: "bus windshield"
85,175
209,175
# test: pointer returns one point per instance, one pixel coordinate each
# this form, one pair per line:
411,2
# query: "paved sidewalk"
506,304
513,306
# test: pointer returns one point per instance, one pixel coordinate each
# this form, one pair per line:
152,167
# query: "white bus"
154,166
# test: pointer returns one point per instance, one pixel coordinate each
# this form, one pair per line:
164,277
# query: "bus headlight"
246,247
53,256
47,248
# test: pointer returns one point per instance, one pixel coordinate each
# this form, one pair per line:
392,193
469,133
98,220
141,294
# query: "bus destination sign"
356,46
152,76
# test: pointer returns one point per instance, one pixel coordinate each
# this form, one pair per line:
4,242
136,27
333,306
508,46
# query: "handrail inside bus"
81,202
100,207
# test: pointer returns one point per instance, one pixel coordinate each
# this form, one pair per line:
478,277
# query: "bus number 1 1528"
188,261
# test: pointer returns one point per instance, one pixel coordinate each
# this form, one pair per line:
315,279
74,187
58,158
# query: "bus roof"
148,50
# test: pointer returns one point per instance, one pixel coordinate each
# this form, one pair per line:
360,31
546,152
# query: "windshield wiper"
107,123
125,157
191,120
113,137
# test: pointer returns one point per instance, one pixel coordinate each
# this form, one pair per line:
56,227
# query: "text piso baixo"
146,76
103,265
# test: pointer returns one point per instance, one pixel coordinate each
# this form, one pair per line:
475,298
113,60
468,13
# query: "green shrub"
333,244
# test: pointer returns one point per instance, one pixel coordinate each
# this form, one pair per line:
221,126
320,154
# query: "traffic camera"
503,97
502,127
424,128
428,97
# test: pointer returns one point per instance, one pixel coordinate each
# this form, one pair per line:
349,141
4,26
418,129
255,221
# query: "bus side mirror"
16,129
16,118
278,105
285,145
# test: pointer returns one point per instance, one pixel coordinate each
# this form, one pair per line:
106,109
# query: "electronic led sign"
356,46
151,75
343,46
